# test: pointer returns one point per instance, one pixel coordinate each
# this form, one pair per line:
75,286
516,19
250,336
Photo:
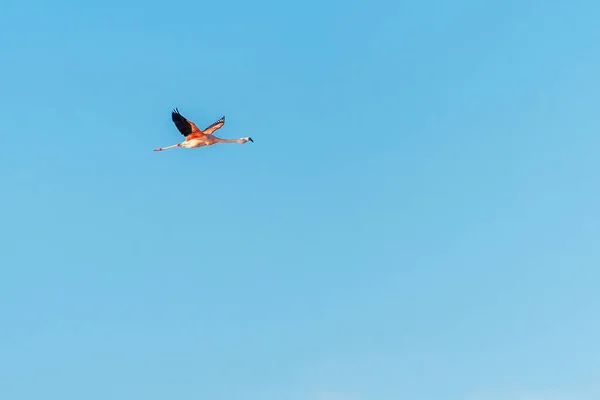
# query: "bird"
195,137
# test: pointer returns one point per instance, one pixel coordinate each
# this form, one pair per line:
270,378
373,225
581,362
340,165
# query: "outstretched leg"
240,140
168,147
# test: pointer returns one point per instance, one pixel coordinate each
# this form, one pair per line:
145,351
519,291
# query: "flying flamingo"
194,137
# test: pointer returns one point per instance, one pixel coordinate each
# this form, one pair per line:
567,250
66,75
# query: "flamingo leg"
240,140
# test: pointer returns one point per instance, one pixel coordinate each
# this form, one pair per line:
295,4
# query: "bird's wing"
185,126
214,126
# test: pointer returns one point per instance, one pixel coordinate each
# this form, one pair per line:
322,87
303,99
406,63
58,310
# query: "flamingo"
194,137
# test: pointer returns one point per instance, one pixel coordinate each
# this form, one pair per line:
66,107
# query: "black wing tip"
176,116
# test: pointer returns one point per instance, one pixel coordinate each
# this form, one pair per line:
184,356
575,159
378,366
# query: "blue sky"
417,218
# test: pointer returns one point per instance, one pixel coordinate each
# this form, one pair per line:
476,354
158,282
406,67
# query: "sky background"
417,218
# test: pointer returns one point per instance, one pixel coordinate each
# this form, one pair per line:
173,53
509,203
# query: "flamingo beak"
250,139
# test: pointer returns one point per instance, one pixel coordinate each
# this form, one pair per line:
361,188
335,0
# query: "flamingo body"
195,137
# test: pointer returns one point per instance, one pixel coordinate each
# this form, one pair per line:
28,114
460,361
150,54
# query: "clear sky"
417,218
